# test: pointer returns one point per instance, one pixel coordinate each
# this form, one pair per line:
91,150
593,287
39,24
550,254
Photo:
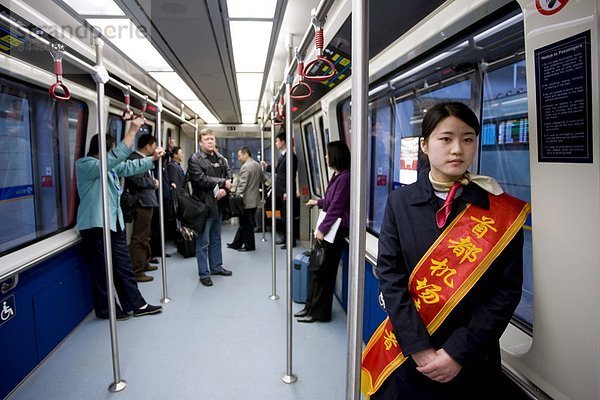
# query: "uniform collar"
423,193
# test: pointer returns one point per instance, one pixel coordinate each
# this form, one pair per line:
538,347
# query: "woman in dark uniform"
452,353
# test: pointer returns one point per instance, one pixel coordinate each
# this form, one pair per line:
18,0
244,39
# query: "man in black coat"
210,175
281,196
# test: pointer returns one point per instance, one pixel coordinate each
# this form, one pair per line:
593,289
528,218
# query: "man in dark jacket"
210,175
144,185
281,196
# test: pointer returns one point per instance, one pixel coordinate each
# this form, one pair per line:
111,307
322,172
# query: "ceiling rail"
76,61
320,15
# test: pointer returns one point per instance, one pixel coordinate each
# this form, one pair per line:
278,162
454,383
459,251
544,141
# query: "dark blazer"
204,177
471,332
142,184
176,174
280,170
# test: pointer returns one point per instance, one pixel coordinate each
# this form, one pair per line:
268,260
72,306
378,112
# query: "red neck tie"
444,212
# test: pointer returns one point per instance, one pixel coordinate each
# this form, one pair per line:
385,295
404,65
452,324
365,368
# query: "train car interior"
313,72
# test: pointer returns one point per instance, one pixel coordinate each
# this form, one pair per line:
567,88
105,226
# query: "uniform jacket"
471,332
280,171
336,202
203,177
142,184
251,176
176,174
89,212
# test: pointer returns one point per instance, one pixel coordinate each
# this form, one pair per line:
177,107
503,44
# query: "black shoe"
154,260
206,281
167,255
307,319
232,246
149,309
280,241
121,315
246,249
223,272
301,313
284,247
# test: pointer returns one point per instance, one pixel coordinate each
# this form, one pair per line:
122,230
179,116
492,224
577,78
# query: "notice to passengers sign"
550,7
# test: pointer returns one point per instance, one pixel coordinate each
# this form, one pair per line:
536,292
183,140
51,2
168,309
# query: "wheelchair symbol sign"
7,309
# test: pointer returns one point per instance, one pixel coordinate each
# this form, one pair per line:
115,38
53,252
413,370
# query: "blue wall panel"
50,300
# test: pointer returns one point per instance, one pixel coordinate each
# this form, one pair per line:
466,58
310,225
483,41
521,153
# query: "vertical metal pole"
360,86
161,201
101,77
195,133
262,185
289,377
274,295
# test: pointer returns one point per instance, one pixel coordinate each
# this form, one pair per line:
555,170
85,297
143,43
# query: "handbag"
127,203
234,206
191,211
316,256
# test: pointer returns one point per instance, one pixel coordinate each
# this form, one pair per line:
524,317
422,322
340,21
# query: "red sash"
444,275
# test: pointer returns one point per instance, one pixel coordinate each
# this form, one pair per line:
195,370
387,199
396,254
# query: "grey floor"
223,342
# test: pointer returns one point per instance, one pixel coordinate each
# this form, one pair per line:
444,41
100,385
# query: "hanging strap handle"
128,113
319,42
280,117
300,90
144,106
57,55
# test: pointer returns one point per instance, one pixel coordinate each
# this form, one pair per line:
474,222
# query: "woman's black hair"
338,155
94,149
448,109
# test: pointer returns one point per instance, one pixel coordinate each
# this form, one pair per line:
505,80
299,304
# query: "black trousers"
130,297
322,283
282,205
244,237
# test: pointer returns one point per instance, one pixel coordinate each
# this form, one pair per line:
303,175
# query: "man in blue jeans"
210,175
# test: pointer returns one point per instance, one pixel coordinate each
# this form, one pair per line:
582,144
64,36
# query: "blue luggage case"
300,278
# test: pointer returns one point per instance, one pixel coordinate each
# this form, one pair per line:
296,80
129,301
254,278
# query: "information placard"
563,90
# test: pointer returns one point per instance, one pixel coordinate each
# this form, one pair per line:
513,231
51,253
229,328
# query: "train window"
116,126
345,121
379,118
229,147
312,153
40,138
324,132
505,154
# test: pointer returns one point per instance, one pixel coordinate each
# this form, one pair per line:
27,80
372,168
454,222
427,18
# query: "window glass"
505,153
41,139
380,139
229,147
116,126
344,119
312,152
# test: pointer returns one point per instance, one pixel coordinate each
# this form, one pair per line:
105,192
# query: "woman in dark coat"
461,359
336,204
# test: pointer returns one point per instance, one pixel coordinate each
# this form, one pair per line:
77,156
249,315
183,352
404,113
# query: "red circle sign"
550,7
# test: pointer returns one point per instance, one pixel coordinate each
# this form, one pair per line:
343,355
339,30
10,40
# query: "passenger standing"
210,175
175,171
336,204
281,196
450,265
251,177
144,185
90,223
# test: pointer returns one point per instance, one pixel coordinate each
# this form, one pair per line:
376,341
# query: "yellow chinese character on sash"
482,226
440,268
465,248
390,340
429,292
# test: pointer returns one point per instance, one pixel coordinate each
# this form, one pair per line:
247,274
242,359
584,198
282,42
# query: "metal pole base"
289,378
117,387
165,300
274,297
